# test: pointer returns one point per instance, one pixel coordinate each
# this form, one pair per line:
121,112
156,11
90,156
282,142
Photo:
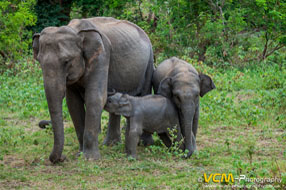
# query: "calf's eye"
177,98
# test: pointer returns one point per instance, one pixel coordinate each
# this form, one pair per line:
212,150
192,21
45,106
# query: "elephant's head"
119,104
184,88
65,56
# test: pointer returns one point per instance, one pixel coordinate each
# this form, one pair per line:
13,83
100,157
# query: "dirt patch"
244,97
13,161
13,184
241,96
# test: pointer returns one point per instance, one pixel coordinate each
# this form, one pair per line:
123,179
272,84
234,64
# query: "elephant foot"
56,159
111,141
132,157
190,153
131,154
147,139
92,155
78,153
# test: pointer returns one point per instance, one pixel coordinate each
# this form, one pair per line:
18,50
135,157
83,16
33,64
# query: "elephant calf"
151,113
180,82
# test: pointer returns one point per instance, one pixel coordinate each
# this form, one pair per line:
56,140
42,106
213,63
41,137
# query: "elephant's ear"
125,107
165,87
206,84
36,45
92,44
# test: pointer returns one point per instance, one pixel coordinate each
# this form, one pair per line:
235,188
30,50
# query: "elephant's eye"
177,98
197,94
66,63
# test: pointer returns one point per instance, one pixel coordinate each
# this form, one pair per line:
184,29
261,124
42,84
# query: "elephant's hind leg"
166,140
147,139
76,109
113,130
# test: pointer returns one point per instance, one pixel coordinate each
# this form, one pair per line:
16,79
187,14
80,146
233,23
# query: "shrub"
15,39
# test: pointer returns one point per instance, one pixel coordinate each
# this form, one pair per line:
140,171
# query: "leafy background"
217,32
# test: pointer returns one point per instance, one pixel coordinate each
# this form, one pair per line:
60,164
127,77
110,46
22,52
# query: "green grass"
242,130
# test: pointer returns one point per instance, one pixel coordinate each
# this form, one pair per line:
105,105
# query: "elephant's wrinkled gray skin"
179,81
80,61
151,113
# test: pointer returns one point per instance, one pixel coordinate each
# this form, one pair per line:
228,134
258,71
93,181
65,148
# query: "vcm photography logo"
226,178
218,178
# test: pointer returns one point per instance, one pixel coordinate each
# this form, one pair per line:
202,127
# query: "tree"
52,13
270,19
15,16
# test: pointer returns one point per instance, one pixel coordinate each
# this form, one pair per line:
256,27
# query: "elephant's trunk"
186,122
55,92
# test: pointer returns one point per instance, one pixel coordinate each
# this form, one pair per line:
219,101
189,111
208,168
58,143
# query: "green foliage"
175,147
15,39
27,85
51,13
173,151
219,32
90,8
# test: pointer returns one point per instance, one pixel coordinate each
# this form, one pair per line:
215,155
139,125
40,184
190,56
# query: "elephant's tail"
147,87
43,124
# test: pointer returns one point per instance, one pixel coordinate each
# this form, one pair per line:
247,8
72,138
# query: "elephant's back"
125,37
130,53
159,113
124,29
168,68
162,71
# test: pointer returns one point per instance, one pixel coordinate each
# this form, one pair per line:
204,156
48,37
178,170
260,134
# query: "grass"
242,130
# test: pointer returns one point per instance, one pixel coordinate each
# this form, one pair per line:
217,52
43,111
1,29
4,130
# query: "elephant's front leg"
113,130
132,135
76,109
94,102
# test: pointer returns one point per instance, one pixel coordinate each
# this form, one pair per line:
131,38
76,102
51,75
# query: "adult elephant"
82,60
179,81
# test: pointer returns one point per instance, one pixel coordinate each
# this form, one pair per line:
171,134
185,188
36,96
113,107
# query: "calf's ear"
165,87
206,84
125,107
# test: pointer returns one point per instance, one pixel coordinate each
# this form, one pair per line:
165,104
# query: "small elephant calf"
151,113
